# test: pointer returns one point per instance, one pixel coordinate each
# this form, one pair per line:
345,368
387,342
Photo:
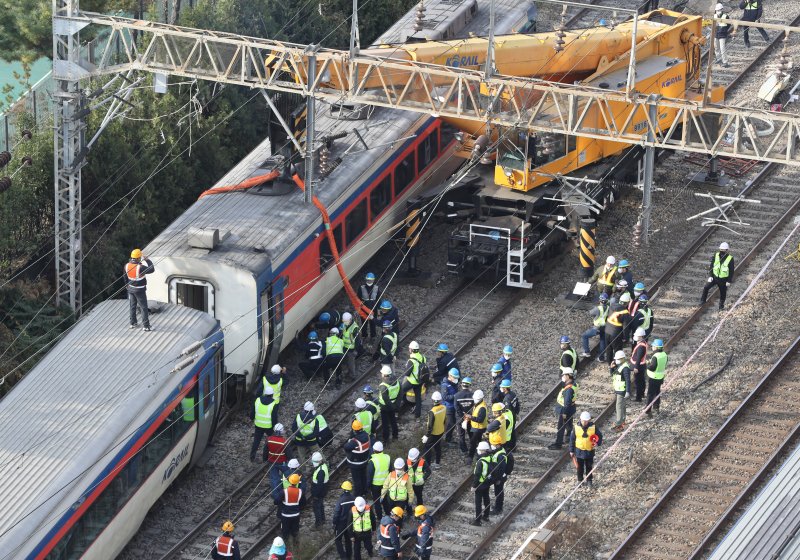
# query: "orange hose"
247,184
358,305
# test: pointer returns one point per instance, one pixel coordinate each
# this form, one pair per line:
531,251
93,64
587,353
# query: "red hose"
247,184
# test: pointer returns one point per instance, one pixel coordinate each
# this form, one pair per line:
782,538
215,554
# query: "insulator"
26,134
637,234
419,21
5,157
27,161
559,46
5,184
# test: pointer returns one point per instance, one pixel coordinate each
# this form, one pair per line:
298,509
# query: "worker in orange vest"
225,546
135,271
292,500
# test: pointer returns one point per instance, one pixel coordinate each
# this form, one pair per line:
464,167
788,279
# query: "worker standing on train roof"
499,472
225,546
481,483
278,550
358,449
342,522
363,415
643,316
363,524
565,408
352,344
721,274
389,312
377,472
434,430
291,503
397,487
389,538
314,353
374,407
274,380
621,384
604,276
497,379
448,389
655,375
386,351
569,358
389,399
264,416
582,443
334,356
319,487
416,374
478,419
505,362
424,534
310,430
445,361
510,399
639,362
463,403
599,314
276,456
136,270
368,293
624,273
418,470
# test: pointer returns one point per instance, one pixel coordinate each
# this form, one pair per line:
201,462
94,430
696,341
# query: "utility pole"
649,162
489,70
308,193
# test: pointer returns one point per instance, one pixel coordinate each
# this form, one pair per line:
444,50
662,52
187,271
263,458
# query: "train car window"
197,294
404,174
380,197
325,252
356,221
427,150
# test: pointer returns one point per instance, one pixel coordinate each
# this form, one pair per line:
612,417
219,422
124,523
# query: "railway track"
696,505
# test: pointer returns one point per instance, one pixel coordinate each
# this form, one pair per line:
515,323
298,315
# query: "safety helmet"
377,446
136,254
644,298
313,335
347,317
477,396
316,458
622,283
293,464
508,349
442,347
436,396
334,330
585,416
505,384
325,317
619,355
397,511
347,485
294,479
495,439
454,373
361,403
357,425
568,371
610,260
639,286
719,7
413,345
370,277
498,407
724,246
227,527
413,453
399,463
309,406
420,510
367,389
386,305
278,429
564,339
269,391
386,370
640,332
278,546
497,368
623,263
658,343
466,381
387,324
625,298
276,369
604,297
360,503
483,447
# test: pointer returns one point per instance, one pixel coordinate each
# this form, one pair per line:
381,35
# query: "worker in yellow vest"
264,418
605,275
334,356
437,417
397,487
364,524
478,419
655,375
720,274
377,473
582,443
352,343
415,375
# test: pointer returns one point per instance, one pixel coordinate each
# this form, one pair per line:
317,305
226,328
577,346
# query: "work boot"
589,484
584,355
496,511
486,515
554,446
476,522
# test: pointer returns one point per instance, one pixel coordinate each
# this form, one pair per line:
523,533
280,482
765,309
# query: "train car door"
275,321
208,404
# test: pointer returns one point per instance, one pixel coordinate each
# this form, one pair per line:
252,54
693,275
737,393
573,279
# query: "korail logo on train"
173,464
459,61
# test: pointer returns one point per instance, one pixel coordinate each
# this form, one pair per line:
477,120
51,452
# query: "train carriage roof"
72,411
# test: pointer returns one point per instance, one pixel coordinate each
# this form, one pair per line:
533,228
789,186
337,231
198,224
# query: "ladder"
515,263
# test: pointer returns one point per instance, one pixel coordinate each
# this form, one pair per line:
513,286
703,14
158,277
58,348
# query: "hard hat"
585,416
505,384
483,446
436,396
386,305
387,324
498,407
293,464
443,347
567,371
269,391
625,298
477,396
347,317
604,297
623,263
136,254
316,458
724,246
397,511
386,370
377,446
639,286
610,259
619,355
313,335
495,439
368,389
454,373
719,7
466,381
399,463
413,453
294,479
276,369
334,330
278,428
357,425
325,317
360,503
361,403
497,368
228,525
278,546
622,283
414,345
508,349
658,343
640,332
347,485
564,339
420,510
309,406
644,298
370,277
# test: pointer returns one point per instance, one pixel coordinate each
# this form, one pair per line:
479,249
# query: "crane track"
692,509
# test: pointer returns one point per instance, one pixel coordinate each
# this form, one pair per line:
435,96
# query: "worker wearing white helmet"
364,523
415,375
320,475
274,381
482,482
418,470
364,415
389,399
434,430
278,550
582,443
621,384
605,276
478,419
276,457
352,344
377,471
565,408
721,34
639,362
334,356
397,488
264,414
720,274
310,430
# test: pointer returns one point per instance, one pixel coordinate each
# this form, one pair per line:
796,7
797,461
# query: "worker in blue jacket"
424,533
445,361
389,312
448,389
505,361
389,537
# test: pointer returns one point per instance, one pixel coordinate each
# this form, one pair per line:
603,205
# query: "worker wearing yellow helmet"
389,537
342,521
358,449
135,270
502,463
225,546
424,545
292,500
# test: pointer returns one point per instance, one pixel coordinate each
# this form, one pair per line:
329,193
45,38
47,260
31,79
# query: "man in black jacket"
753,10
342,522
135,271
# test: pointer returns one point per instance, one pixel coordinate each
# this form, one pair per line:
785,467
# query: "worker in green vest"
352,343
389,399
334,356
569,358
599,315
720,274
274,380
319,487
482,483
416,374
655,375
264,418
363,415
377,471
364,524
621,383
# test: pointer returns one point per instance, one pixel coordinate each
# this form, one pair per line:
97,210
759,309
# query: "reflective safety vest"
509,416
276,446
349,335
305,431
640,344
496,455
369,293
362,521
393,337
661,366
276,389
365,417
617,380
560,398
600,320
380,461
263,414
483,468
324,468
573,356
285,477
416,474
439,418
721,270
501,431
334,345
647,314
752,5
224,545
398,491
420,528
361,450
583,435
615,319
374,408
386,537
291,497
475,410
417,361
606,278
133,274
393,391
